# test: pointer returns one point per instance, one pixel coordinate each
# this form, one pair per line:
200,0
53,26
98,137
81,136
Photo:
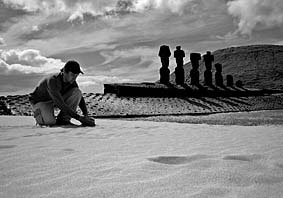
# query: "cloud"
145,53
28,61
175,6
252,14
2,41
9,16
78,9
35,5
75,8
97,80
137,63
278,43
33,31
228,37
95,83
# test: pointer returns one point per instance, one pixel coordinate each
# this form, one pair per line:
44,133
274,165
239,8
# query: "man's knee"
42,118
43,113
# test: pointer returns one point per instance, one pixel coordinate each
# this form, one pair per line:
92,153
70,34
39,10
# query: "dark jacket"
53,88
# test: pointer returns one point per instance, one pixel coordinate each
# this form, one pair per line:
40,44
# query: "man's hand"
87,121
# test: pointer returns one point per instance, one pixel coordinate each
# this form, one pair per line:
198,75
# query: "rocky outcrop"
4,110
111,105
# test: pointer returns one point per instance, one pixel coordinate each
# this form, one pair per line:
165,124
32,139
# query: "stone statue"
194,73
218,75
164,54
230,81
179,70
208,59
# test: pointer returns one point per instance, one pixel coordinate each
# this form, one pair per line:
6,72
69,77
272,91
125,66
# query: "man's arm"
83,107
57,98
85,120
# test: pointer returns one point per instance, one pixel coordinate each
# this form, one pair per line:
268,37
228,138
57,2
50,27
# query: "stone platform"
172,90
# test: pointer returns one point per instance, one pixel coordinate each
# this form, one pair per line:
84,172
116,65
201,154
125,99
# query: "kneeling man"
60,90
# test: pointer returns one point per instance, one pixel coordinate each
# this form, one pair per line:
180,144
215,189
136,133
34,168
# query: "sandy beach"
119,158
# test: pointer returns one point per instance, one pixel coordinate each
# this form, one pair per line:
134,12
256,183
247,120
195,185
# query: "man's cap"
73,66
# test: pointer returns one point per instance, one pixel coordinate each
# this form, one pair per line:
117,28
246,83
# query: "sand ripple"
140,159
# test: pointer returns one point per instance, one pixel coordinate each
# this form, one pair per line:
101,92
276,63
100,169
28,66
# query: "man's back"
43,90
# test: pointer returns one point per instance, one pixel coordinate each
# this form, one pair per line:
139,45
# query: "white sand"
140,159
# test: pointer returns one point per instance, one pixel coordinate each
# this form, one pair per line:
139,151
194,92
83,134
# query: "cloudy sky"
118,40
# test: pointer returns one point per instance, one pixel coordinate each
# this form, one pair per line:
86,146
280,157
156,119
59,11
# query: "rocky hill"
258,66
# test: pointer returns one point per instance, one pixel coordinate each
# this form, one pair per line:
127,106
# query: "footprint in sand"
69,150
176,160
279,165
247,158
7,146
213,192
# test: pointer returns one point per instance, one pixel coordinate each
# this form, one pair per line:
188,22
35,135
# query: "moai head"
195,58
207,56
230,81
179,53
164,51
218,67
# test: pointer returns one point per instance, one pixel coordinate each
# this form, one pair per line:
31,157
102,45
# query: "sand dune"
140,159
